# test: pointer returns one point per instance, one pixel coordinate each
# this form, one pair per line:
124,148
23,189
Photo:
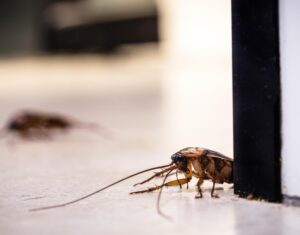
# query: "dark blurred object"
100,25
102,37
30,26
20,27
34,125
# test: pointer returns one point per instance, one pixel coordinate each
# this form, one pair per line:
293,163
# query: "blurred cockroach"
201,163
33,125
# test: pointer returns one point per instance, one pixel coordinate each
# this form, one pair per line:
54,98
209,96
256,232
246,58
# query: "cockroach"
33,124
204,164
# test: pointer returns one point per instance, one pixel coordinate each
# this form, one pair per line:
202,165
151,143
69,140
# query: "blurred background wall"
189,62
196,43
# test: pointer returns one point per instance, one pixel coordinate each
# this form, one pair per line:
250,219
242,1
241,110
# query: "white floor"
128,97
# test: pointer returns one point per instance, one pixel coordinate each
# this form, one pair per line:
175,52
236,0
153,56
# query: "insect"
33,124
204,164
201,163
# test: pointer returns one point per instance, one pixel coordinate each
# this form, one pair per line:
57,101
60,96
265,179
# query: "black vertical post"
256,98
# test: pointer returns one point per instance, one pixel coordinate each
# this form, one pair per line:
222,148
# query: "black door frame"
256,99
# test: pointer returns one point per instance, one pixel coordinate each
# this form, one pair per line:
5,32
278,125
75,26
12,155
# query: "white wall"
290,79
197,80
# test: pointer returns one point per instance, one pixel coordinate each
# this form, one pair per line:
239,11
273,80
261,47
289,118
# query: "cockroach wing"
214,154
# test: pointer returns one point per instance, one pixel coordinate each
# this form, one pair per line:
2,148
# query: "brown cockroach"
33,124
201,163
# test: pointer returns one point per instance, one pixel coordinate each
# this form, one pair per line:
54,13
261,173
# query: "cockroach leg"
178,180
147,190
213,178
213,189
170,183
199,183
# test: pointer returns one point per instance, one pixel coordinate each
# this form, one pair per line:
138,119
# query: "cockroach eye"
176,157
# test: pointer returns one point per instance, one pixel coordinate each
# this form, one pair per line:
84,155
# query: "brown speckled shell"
209,164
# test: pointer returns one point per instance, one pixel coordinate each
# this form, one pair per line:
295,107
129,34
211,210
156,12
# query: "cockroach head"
180,161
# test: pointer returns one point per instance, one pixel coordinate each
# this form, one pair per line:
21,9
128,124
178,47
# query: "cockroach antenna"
97,128
159,197
99,190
